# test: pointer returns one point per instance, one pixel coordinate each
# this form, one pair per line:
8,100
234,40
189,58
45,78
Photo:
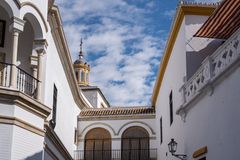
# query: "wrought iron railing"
127,154
26,83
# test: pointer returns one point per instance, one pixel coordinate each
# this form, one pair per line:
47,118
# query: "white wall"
213,121
67,110
172,81
26,145
5,141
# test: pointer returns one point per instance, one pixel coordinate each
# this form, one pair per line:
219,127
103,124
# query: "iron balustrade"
127,154
26,83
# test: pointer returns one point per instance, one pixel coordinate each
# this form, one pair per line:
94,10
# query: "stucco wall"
213,121
67,110
26,145
173,79
5,141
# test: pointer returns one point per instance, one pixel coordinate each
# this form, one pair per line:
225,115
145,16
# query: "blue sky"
123,42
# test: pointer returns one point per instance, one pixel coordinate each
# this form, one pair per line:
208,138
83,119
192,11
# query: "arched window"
97,145
135,144
82,76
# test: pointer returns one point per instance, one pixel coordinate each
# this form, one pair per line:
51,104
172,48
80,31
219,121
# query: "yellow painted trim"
200,152
181,12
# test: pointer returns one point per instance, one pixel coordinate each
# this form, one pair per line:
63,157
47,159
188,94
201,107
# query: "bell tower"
82,68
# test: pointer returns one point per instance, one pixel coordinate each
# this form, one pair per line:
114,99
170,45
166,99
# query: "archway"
97,145
135,144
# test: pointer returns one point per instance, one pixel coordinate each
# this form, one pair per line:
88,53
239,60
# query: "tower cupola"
82,68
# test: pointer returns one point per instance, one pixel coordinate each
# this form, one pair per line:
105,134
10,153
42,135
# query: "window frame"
54,109
171,107
161,131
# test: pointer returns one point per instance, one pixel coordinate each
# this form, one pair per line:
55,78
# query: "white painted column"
40,46
35,71
39,75
15,27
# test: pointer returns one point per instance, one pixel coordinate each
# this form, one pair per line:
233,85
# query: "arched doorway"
135,144
97,145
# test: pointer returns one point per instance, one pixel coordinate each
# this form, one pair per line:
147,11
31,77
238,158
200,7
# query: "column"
40,47
39,75
15,27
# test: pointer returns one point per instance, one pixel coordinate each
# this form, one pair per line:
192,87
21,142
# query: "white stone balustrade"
212,68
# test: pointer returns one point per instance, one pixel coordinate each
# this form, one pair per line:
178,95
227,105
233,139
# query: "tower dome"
82,68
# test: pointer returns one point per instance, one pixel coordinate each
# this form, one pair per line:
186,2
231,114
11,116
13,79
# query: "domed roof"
81,60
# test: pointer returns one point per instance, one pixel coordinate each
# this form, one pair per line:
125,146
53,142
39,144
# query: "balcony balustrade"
25,82
212,68
130,154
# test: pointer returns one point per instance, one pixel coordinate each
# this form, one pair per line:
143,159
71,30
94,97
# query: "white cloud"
169,13
114,32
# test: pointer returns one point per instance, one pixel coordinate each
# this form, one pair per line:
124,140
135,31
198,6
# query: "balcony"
25,83
131,154
213,67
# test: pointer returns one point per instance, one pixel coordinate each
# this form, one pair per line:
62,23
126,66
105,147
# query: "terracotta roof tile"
98,112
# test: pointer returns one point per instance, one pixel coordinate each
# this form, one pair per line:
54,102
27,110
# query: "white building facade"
196,94
39,97
49,111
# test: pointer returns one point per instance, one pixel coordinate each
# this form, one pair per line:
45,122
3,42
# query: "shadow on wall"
36,156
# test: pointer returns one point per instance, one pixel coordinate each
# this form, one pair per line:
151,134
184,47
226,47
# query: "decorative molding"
98,125
200,152
64,54
11,96
40,46
225,59
16,25
117,117
136,122
38,11
55,140
20,123
20,5
183,10
50,152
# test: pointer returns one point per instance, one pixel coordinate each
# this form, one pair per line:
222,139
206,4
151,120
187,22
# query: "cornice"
11,96
118,117
52,136
20,123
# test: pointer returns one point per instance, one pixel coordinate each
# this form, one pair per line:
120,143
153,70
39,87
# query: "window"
54,111
75,136
2,32
76,73
161,131
171,108
82,76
